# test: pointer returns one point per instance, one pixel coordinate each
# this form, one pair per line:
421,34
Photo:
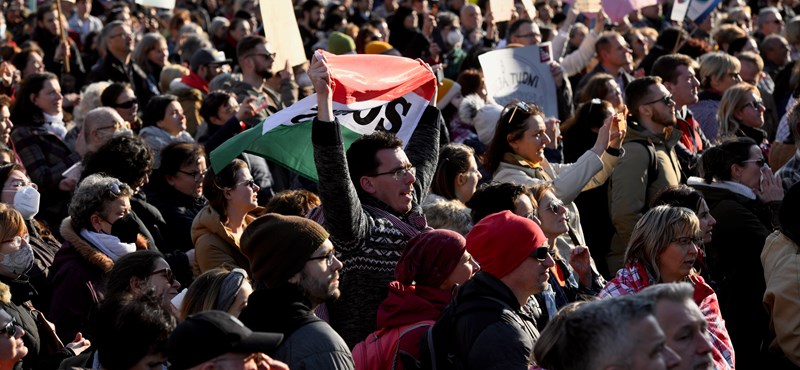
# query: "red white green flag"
370,93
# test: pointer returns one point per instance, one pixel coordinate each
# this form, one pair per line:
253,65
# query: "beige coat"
214,243
781,263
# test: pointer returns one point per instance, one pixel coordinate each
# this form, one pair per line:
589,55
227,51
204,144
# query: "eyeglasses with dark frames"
10,328
400,173
328,257
756,104
541,253
666,99
197,176
167,272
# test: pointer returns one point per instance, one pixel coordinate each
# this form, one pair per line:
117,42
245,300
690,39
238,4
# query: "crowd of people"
652,222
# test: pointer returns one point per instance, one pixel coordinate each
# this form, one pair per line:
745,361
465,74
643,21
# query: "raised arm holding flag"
371,195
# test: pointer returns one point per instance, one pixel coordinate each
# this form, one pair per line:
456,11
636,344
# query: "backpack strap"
405,330
652,167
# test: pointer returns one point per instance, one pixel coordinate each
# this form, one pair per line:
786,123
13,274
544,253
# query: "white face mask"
26,201
454,39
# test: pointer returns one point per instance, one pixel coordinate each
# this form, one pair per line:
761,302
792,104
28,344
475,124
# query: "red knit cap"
502,241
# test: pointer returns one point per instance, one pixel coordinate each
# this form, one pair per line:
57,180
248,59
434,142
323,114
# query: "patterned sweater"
368,235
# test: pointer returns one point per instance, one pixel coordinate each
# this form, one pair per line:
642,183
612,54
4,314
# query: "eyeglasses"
126,104
541,253
116,126
399,173
249,183
10,328
735,75
196,175
532,216
685,241
756,104
16,241
16,184
759,162
167,274
666,99
556,206
327,257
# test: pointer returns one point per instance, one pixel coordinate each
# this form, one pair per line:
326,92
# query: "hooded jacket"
630,192
214,244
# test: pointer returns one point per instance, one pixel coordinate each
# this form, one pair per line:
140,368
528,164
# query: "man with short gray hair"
100,125
616,333
683,324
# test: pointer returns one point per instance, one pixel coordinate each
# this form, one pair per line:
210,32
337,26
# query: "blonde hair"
170,73
732,101
717,64
659,227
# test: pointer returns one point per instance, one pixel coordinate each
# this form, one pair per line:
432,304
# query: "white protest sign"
501,9
163,4
283,36
521,73
679,10
587,6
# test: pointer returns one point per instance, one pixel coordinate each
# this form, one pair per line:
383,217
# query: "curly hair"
127,158
93,195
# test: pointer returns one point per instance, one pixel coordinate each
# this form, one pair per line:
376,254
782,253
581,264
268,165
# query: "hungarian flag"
370,93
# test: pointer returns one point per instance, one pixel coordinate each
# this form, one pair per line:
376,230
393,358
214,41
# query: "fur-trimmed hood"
87,251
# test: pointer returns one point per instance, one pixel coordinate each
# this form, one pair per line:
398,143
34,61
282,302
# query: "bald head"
100,125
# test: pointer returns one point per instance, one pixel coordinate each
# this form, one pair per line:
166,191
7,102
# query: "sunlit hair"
11,222
510,127
655,231
733,101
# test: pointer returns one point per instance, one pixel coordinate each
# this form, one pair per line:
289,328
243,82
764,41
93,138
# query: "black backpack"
438,346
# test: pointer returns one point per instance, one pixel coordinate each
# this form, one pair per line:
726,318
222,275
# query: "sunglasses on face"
556,206
126,104
540,254
249,183
666,99
167,274
10,328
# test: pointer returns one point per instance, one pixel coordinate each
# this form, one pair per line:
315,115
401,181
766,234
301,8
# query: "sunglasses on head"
540,254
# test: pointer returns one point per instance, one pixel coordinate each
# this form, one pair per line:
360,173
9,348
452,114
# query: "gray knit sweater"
369,244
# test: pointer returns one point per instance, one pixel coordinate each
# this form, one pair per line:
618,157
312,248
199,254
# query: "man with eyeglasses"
296,270
650,163
118,66
100,125
371,199
216,340
493,327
